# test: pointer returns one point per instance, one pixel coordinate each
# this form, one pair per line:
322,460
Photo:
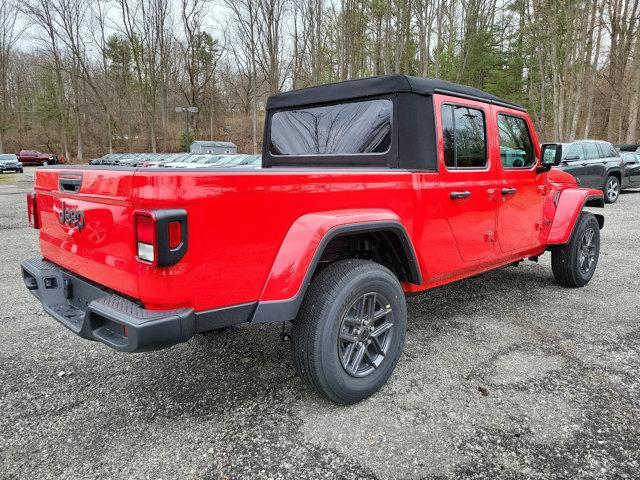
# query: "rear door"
87,224
468,180
520,187
596,166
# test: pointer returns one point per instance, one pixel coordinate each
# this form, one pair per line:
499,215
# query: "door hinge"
541,224
543,189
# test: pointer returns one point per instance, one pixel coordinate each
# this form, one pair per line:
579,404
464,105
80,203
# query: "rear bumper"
97,314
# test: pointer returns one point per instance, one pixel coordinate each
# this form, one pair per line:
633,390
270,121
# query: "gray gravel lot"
559,368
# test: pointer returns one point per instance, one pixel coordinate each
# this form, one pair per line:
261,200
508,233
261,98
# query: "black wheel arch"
614,172
400,258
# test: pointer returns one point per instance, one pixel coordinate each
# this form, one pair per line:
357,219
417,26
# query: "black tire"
574,264
612,189
325,317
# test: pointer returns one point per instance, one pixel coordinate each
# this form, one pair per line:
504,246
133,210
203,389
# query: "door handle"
459,195
584,164
509,191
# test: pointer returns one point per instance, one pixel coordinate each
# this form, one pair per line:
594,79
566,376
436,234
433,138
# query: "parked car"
165,159
631,169
357,204
595,164
34,157
9,163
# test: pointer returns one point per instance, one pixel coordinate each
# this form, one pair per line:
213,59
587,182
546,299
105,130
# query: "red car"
370,190
34,157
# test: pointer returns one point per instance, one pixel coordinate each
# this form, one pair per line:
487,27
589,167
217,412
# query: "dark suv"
595,164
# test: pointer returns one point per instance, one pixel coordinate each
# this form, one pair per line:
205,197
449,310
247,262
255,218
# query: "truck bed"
237,222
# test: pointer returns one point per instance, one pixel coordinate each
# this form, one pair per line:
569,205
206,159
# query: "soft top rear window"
341,129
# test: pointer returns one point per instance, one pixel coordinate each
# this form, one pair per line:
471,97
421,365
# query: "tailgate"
87,224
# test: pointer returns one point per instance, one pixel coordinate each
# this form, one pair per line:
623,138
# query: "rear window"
608,150
342,129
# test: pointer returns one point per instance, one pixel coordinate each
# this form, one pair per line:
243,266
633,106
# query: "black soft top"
366,87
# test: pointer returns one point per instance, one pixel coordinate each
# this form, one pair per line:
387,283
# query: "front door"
520,187
632,167
575,162
467,175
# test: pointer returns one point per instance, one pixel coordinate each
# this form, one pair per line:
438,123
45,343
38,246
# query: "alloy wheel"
613,189
365,334
587,252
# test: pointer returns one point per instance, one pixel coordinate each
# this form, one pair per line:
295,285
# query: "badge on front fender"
73,217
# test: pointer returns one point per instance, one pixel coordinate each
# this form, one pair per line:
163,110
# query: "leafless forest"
85,77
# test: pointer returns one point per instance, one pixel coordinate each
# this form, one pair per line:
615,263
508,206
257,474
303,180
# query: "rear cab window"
351,132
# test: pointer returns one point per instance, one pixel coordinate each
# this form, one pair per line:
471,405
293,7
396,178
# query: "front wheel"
574,264
350,330
612,189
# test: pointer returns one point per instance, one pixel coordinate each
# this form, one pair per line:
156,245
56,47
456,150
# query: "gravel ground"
506,375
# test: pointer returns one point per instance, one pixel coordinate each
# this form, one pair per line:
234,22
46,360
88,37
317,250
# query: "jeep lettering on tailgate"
71,216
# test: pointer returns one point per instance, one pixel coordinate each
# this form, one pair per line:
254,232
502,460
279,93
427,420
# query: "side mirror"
551,155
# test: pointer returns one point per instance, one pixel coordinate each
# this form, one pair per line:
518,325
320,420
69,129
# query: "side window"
463,131
516,148
573,152
609,150
591,151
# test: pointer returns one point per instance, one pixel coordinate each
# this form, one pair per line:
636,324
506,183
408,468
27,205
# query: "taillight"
145,237
32,210
161,236
175,234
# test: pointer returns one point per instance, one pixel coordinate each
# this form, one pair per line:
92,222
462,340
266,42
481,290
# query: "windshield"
5,157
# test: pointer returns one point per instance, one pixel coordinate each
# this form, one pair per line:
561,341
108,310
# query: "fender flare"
569,204
302,249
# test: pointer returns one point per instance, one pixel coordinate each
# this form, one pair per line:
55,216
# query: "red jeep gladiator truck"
370,190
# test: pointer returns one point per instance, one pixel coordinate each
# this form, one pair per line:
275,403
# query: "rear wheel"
350,330
574,264
612,189
45,163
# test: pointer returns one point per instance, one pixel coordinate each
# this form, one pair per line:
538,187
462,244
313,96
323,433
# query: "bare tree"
9,35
